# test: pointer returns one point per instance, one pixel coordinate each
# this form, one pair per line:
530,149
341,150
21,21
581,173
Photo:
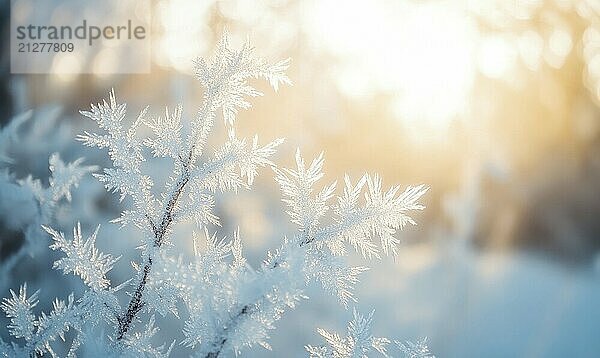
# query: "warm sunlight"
420,54
179,34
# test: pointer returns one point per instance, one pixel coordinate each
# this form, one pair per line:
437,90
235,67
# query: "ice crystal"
359,342
417,349
82,258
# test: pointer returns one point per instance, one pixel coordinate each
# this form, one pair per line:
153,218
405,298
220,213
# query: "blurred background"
492,103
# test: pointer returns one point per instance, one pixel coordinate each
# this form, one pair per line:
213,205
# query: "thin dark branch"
215,353
136,303
307,239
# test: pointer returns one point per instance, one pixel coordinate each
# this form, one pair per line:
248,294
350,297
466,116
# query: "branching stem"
137,303
247,309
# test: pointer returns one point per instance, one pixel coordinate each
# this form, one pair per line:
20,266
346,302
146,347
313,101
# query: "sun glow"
181,33
422,54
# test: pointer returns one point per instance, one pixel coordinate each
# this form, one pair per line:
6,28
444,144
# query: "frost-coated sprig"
227,304
359,342
33,199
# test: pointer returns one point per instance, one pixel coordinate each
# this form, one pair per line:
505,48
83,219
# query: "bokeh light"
422,54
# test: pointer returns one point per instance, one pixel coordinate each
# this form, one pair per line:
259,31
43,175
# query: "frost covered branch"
225,81
228,305
315,252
